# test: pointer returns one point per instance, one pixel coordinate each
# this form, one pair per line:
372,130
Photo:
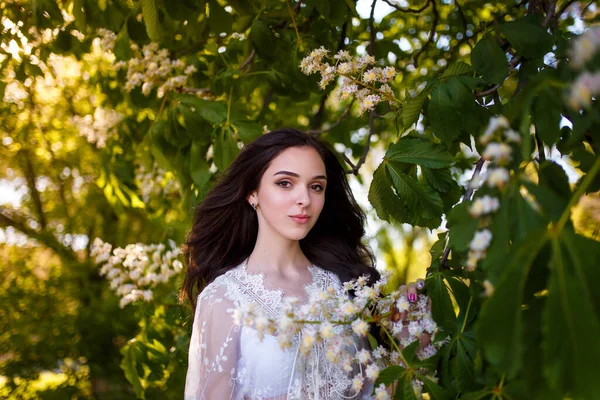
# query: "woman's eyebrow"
298,176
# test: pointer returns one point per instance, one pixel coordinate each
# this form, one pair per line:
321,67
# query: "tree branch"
248,60
408,9
336,123
436,17
564,8
466,197
45,238
372,28
31,178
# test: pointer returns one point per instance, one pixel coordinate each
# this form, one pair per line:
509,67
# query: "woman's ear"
252,198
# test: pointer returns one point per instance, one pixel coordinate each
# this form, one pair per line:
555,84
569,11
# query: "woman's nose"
303,198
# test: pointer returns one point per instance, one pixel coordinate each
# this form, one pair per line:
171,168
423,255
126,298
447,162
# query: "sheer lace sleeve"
214,348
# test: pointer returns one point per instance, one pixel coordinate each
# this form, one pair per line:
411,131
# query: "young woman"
282,222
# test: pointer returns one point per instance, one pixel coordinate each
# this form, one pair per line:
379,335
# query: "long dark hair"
225,226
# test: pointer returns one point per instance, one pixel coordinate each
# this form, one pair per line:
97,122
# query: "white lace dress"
227,361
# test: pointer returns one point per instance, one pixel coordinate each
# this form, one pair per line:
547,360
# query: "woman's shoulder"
223,285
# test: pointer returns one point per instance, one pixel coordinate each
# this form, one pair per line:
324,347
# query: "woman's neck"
277,255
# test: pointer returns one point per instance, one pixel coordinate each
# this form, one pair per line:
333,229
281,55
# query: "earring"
253,206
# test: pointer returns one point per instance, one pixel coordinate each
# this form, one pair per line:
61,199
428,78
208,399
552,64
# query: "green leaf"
442,309
248,130
122,48
547,109
128,365
419,152
389,375
219,20
199,167
462,227
323,7
527,37
79,14
461,366
490,60
2,89
412,108
262,39
441,180
197,127
383,199
436,392
457,68
500,325
225,149
150,15
453,111
212,111
571,323
372,341
419,198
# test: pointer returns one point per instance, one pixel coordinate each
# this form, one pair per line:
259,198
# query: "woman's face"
291,193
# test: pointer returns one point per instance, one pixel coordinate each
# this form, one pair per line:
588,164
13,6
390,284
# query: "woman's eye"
318,188
283,184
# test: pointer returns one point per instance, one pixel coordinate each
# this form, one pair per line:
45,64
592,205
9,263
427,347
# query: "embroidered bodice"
228,361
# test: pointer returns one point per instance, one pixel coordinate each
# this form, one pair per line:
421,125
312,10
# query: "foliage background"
73,179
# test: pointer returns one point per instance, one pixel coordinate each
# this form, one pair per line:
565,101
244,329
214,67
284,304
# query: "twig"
372,28
248,60
550,8
436,17
318,117
564,8
31,181
487,92
354,168
293,20
363,158
466,197
7,218
408,10
511,66
316,132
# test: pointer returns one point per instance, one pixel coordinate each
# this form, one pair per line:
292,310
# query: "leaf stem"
293,20
462,329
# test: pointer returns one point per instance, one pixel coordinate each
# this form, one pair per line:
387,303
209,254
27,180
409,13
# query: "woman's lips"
300,220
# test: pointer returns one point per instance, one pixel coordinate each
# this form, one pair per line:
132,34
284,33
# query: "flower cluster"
151,67
97,128
495,136
333,320
587,84
155,183
584,47
484,205
107,39
137,269
358,77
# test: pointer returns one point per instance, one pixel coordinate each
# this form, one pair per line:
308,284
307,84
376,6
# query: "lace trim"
251,286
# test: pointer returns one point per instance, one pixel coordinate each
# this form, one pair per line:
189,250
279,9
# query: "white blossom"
372,371
497,152
129,270
584,47
586,86
495,123
481,240
497,177
381,392
484,205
